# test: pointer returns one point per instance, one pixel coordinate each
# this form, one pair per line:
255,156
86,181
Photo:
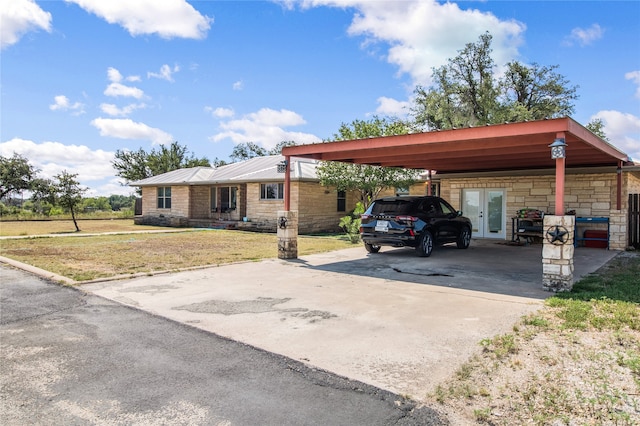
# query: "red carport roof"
511,146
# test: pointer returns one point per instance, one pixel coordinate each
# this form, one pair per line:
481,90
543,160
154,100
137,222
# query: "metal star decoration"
557,234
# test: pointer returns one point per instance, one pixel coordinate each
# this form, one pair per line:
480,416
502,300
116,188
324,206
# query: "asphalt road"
67,357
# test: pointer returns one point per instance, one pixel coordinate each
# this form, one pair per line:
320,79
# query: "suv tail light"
406,219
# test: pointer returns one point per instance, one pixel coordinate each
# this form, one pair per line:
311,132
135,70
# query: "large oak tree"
138,165
467,92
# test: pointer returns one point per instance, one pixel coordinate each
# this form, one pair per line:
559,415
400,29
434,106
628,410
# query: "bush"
351,223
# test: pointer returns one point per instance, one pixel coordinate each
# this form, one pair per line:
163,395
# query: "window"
272,191
446,208
402,191
342,201
164,197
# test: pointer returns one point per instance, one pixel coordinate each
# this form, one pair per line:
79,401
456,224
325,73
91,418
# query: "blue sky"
81,79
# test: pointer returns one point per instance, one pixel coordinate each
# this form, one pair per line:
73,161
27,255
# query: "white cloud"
623,131
634,76
423,34
19,17
392,107
265,127
166,73
51,158
238,85
166,18
114,111
583,36
220,112
116,88
114,75
119,89
124,128
62,103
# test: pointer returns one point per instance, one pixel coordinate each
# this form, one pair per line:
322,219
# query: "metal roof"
258,169
511,146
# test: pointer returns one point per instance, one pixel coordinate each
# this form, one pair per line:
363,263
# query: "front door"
486,209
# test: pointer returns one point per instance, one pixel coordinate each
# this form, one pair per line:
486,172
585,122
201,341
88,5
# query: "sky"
81,79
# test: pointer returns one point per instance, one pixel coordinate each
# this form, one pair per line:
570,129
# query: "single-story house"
244,195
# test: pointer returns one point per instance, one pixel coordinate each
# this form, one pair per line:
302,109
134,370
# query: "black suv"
418,222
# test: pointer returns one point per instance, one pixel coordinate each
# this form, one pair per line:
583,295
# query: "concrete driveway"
391,319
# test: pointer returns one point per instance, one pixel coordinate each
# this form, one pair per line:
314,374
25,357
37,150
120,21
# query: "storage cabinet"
592,237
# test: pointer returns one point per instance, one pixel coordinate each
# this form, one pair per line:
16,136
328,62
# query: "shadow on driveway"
486,266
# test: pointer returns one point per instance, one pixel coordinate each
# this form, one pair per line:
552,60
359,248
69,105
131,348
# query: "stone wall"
200,202
632,183
176,216
588,195
316,207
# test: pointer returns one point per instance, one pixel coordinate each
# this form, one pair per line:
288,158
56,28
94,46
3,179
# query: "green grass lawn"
91,257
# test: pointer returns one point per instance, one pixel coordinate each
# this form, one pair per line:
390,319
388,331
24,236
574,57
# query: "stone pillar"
557,253
287,223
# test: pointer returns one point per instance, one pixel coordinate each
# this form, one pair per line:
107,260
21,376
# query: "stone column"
287,223
557,253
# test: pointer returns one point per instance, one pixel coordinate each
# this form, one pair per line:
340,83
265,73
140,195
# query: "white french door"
486,208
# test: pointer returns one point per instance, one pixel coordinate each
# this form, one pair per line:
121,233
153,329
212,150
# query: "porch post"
558,232
287,220
560,164
619,186
287,183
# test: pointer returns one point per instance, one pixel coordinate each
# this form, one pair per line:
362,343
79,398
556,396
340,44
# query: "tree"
535,92
277,150
369,181
596,126
246,151
138,165
119,202
16,174
68,193
466,92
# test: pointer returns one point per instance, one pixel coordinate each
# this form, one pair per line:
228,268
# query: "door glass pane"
471,208
214,200
494,206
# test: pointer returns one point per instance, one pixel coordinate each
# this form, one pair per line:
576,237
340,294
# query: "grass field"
84,258
40,227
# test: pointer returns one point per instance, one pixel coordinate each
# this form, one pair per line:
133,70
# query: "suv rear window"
396,207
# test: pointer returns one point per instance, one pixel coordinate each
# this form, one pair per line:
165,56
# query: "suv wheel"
371,248
464,239
425,246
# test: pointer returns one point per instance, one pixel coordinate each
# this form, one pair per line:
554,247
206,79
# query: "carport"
556,143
